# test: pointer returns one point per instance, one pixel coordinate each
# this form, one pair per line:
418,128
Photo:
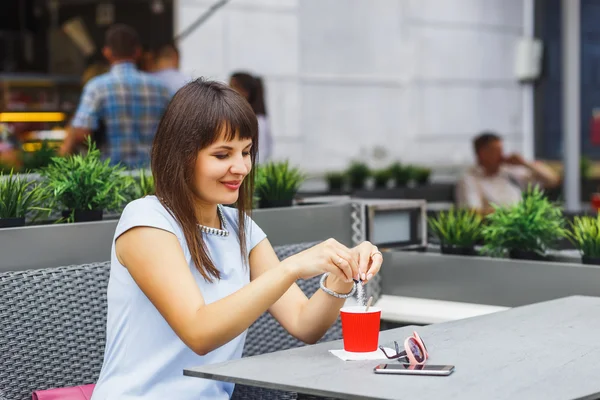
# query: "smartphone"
407,369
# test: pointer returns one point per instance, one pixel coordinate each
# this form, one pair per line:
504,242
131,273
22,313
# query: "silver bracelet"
336,294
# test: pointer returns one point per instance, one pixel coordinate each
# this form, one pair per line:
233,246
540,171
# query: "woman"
188,276
251,87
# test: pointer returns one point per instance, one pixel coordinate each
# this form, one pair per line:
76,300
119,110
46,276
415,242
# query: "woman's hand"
369,260
328,256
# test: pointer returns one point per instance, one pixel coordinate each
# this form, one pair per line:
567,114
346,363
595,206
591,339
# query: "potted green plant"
276,184
143,184
526,230
458,230
18,196
33,161
421,175
382,177
585,168
259,181
335,181
357,174
400,174
585,236
83,186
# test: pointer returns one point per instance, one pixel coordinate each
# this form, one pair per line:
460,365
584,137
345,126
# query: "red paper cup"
360,329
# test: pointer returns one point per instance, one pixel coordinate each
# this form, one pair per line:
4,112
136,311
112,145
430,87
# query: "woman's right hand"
328,256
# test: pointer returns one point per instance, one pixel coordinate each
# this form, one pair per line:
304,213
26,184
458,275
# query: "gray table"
548,350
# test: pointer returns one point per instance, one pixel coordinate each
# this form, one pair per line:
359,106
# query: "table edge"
283,387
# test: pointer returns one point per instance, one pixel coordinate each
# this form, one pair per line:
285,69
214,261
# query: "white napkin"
349,356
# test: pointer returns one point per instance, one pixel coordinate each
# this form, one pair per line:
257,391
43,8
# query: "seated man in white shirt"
498,178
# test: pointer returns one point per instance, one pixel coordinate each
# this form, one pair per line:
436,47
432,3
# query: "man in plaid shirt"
129,102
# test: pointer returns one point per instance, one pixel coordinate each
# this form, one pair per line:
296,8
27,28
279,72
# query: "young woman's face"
220,169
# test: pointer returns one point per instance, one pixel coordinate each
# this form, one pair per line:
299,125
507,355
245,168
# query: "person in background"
166,68
95,69
251,88
130,103
499,178
9,157
188,276
146,62
9,154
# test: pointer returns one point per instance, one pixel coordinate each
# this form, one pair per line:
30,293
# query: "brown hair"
167,51
122,40
254,87
483,139
193,120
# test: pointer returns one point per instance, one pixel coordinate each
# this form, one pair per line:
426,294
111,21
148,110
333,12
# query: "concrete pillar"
571,116
527,91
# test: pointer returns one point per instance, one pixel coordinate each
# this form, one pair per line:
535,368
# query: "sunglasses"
415,350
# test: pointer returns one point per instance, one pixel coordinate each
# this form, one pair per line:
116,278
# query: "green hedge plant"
421,175
335,181
527,229
18,196
402,175
382,177
357,174
80,183
584,233
458,230
276,184
35,160
585,168
144,184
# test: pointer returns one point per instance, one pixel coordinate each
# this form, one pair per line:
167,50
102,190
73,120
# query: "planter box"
433,192
44,246
399,222
319,193
483,280
306,223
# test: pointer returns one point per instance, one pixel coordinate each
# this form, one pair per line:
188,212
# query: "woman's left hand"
369,260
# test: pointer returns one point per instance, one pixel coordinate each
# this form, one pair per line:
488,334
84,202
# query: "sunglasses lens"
420,340
415,349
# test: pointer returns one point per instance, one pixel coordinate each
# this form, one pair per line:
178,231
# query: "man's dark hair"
483,139
122,40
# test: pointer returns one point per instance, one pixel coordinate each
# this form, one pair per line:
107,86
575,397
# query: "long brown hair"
193,120
253,85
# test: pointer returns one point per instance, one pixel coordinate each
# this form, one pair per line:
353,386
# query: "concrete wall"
373,80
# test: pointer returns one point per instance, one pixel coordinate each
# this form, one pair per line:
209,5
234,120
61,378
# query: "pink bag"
83,392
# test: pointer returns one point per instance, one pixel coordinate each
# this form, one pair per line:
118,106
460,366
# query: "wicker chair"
266,335
53,327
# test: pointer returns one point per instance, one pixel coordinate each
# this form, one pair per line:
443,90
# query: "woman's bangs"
228,131
237,120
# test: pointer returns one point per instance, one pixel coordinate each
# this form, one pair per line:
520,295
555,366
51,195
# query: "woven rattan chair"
53,328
